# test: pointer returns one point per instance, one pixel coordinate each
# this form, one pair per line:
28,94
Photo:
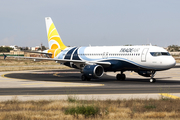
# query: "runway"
65,82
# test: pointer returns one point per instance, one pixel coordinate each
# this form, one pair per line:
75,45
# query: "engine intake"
93,71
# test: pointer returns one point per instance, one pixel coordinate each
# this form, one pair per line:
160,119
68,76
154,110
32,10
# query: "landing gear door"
144,53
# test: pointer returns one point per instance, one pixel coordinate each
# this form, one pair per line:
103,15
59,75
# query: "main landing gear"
152,80
84,78
121,76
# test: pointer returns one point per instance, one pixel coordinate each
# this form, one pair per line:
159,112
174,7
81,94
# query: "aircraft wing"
64,60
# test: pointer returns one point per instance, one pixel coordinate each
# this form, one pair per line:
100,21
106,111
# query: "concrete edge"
85,97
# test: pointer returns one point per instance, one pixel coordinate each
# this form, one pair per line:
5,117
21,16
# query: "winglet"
4,56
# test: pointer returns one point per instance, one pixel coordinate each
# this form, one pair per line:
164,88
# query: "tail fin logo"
54,40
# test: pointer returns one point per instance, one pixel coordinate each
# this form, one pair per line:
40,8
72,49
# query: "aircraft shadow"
75,77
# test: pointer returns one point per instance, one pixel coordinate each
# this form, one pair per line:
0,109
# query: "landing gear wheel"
83,78
152,80
88,79
121,77
118,76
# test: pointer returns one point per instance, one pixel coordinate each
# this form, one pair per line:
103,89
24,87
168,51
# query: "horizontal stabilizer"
39,52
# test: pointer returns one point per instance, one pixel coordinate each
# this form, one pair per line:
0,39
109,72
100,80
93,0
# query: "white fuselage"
144,57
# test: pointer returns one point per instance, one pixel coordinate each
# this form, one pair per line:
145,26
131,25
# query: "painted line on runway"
56,74
170,96
7,80
175,77
133,74
3,75
33,84
11,79
74,85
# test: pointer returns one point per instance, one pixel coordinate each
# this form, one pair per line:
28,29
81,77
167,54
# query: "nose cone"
171,62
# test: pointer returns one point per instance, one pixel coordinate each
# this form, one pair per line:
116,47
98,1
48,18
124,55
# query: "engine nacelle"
93,71
145,73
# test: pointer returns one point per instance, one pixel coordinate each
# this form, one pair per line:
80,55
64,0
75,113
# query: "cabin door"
105,55
144,53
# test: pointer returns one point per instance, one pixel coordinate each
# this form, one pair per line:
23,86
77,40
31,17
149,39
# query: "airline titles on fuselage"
129,50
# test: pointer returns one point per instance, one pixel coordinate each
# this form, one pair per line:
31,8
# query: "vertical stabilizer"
54,40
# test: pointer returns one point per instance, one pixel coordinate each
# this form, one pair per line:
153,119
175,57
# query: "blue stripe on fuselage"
62,53
69,53
75,55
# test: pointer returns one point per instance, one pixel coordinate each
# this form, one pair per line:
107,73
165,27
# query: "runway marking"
4,76
175,77
56,74
132,74
170,96
10,79
7,80
33,84
76,85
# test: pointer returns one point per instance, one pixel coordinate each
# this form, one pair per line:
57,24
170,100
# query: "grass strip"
90,109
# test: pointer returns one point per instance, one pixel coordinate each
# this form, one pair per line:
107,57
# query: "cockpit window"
165,53
159,53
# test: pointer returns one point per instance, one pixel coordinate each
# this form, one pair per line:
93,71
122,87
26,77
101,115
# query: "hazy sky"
95,22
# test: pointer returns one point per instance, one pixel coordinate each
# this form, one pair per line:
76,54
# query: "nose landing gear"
122,76
152,80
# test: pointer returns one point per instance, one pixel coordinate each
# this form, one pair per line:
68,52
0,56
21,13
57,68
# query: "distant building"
17,52
35,48
4,46
15,47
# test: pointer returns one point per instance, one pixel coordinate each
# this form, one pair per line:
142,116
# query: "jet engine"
145,73
93,71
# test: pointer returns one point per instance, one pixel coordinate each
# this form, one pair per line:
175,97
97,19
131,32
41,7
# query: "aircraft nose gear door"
144,53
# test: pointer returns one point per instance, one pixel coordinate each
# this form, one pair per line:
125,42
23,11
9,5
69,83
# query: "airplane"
93,61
